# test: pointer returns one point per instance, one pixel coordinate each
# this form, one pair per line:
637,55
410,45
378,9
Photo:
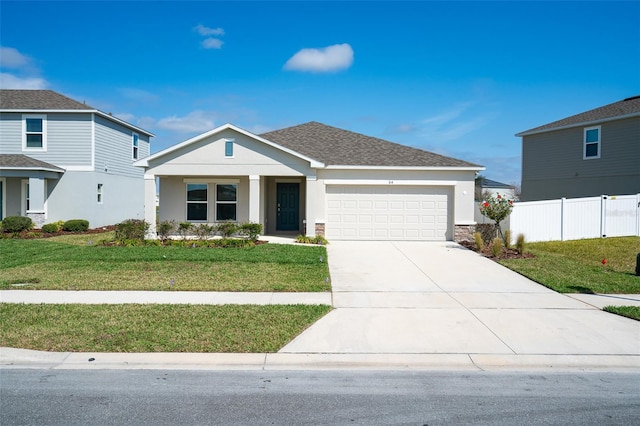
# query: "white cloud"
207,31
10,81
11,58
454,123
212,43
326,59
195,121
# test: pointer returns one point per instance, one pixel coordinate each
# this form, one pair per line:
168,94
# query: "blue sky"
457,78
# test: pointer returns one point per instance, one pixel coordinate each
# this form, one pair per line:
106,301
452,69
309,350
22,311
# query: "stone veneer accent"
320,229
37,218
463,233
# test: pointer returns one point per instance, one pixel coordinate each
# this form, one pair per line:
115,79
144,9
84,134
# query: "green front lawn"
154,328
80,262
577,267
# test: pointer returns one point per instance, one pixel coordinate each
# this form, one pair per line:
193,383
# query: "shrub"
17,224
318,239
477,236
75,225
496,247
132,229
184,228
507,238
227,229
165,228
520,243
251,230
50,228
204,231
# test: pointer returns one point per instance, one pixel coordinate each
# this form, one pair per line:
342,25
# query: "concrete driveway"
439,298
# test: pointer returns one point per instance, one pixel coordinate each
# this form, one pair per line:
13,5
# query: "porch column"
37,196
150,205
315,206
254,198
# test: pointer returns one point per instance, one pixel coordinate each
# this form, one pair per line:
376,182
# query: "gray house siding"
553,165
10,132
114,148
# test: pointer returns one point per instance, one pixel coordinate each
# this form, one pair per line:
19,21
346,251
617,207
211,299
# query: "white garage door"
368,212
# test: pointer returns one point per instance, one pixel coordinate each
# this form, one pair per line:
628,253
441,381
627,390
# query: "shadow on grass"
583,290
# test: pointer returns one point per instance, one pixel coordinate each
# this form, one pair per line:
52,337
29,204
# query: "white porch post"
315,207
37,196
254,198
150,204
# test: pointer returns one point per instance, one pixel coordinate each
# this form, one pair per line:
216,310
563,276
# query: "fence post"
562,218
603,216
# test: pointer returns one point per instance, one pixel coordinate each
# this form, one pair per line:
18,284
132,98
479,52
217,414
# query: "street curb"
24,358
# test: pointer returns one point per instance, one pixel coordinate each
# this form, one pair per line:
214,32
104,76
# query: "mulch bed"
37,233
506,253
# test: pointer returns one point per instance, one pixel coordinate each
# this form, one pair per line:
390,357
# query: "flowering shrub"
496,208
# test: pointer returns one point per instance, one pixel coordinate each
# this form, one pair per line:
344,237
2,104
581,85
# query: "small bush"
132,229
477,236
507,238
165,228
50,228
496,247
227,229
318,239
17,224
184,228
520,243
251,230
204,231
75,225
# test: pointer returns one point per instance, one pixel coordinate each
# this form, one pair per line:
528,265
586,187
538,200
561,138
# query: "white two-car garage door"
390,212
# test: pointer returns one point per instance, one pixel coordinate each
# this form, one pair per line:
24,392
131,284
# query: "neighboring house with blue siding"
593,153
61,159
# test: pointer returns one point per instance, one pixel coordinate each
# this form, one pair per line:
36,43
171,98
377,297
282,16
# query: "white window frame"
24,197
187,202
598,143
235,202
42,117
99,193
230,142
135,145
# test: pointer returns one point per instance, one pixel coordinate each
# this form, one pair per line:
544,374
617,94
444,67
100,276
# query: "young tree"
497,209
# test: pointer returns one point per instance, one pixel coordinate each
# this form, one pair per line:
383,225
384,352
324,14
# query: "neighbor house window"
99,193
35,132
226,201
197,202
592,142
228,149
135,141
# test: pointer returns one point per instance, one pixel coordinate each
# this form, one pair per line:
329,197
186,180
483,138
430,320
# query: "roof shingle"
38,99
338,147
13,161
626,107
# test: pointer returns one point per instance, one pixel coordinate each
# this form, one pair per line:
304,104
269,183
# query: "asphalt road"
158,397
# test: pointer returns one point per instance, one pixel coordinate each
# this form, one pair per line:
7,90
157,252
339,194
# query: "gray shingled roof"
333,146
626,107
14,161
488,183
38,99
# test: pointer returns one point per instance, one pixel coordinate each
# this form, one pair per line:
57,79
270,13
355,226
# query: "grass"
80,262
576,266
154,328
632,312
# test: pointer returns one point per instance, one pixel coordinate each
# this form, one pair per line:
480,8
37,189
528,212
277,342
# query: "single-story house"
313,179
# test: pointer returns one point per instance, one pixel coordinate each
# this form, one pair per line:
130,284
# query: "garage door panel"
388,212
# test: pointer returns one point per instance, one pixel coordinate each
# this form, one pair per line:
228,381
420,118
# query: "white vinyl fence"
576,218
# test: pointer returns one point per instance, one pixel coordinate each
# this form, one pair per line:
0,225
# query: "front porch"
281,204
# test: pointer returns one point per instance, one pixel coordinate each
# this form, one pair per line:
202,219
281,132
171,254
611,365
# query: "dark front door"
288,207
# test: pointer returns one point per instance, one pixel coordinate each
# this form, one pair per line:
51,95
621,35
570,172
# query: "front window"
135,141
226,201
591,142
35,135
197,196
